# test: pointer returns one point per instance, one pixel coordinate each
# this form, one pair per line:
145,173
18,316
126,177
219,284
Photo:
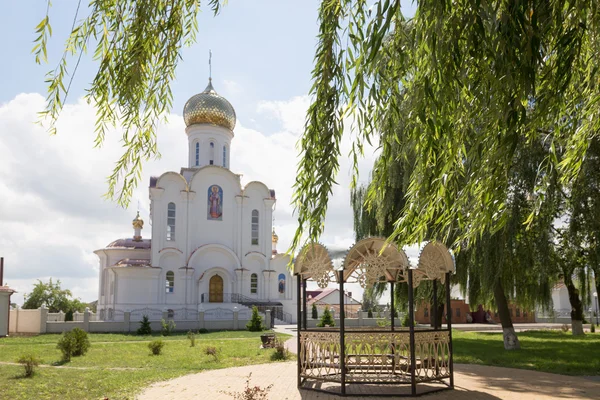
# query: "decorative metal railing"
262,305
375,356
215,314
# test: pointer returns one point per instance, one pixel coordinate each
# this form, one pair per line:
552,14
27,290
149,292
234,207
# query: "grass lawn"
548,351
117,366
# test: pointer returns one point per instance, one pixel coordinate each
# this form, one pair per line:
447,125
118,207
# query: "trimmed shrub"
203,330
192,337
370,313
326,319
255,324
593,328
213,352
406,320
315,312
29,362
74,343
145,328
156,347
167,327
69,315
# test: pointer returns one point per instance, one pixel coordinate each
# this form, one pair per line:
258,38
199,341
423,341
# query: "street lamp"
596,298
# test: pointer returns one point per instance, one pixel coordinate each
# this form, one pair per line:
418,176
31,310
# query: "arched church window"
171,221
225,156
212,153
197,153
253,283
170,282
254,227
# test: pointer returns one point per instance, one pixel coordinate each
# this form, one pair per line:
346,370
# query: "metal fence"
218,314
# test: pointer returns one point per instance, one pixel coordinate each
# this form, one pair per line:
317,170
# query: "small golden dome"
209,108
274,237
138,222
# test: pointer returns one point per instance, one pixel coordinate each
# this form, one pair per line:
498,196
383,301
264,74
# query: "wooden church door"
215,291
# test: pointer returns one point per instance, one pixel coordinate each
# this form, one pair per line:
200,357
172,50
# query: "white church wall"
203,230
136,285
204,135
172,184
255,194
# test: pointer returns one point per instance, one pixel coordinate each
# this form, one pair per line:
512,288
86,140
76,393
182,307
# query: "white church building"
213,244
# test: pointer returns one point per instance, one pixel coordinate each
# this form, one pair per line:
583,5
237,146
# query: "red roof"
131,262
7,289
129,243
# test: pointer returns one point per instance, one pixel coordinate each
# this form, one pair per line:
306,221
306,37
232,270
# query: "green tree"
585,216
326,319
453,86
256,323
314,311
55,298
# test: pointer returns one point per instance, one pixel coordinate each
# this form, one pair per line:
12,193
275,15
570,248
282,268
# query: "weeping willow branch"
137,44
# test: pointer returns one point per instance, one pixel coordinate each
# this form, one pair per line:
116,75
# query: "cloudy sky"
52,213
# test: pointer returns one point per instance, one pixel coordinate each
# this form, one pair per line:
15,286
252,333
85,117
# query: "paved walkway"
472,382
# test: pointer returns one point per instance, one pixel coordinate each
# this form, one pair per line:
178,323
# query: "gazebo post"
411,316
299,323
392,304
342,333
435,305
449,321
304,315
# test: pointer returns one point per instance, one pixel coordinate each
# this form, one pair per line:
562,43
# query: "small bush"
145,328
167,327
315,312
382,323
593,328
255,324
156,347
214,352
250,393
565,328
192,337
370,313
281,353
203,331
29,362
406,319
326,319
74,343
69,315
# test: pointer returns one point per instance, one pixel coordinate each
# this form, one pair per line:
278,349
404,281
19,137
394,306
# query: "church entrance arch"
215,289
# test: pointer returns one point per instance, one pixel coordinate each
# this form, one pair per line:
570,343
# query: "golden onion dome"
138,222
209,108
274,237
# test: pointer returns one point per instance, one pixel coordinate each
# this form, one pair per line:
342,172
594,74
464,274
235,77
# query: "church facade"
213,244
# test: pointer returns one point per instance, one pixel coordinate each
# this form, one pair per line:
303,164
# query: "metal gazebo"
378,361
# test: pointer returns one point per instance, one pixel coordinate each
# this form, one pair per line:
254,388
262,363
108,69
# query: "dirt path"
472,382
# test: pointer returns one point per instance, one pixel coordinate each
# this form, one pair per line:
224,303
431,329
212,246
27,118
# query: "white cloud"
53,216
232,87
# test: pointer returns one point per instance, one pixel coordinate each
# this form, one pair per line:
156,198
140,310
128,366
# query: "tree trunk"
511,341
576,307
438,315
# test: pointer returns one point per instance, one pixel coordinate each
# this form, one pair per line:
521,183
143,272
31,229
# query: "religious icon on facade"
281,284
215,203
